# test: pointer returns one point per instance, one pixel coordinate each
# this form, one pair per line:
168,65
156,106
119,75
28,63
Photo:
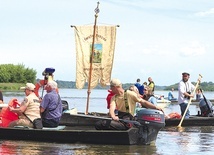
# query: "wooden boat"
163,105
82,119
80,128
76,134
192,121
91,118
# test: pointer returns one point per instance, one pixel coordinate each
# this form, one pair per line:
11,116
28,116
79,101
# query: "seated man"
128,104
171,96
30,108
51,106
125,102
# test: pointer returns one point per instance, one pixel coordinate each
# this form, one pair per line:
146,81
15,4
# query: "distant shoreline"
206,86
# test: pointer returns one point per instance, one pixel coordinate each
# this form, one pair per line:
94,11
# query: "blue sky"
157,38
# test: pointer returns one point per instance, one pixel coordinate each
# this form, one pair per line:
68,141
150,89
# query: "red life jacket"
108,98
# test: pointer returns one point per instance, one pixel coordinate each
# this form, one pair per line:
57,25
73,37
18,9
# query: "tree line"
10,73
207,86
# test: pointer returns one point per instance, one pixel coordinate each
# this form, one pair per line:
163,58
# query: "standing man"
51,106
139,87
151,84
185,87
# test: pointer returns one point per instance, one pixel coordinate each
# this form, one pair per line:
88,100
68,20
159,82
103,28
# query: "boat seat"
24,127
60,127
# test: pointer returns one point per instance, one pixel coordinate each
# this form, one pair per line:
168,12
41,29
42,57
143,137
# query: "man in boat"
185,87
122,106
125,101
139,86
171,96
29,108
151,84
51,106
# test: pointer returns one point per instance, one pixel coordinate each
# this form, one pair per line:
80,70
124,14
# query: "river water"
170,140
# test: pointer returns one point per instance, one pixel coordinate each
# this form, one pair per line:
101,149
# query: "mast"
91,59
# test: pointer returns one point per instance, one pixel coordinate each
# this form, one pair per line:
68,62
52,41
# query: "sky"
155,38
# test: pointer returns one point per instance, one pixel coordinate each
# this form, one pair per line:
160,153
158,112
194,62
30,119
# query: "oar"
199,79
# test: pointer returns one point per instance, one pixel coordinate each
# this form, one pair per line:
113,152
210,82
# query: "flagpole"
91,58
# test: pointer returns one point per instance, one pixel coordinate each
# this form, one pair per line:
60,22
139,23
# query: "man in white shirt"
185,87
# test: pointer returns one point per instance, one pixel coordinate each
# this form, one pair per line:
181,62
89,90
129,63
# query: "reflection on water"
170,140
37,148
191,141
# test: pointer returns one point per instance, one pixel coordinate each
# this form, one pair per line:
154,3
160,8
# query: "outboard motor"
65,106
151,122
206,108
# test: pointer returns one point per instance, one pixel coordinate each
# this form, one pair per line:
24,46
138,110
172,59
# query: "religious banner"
102,58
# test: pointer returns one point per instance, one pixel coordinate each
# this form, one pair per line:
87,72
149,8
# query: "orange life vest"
39,84
6,116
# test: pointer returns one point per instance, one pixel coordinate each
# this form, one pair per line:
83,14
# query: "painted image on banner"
98,48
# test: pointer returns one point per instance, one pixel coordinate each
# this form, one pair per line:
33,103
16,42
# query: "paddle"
199,79
210,111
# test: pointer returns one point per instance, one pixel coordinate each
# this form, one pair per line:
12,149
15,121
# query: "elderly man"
30,108
51,106
125,101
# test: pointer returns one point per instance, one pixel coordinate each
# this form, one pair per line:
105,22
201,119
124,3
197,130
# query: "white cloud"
149,39
193,49
209,12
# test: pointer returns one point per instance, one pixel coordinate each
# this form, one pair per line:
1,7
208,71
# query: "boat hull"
81,134
90,120
145,133
192,121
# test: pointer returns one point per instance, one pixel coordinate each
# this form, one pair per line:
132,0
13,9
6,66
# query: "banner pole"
91,57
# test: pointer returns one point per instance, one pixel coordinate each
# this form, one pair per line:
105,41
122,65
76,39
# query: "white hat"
29,86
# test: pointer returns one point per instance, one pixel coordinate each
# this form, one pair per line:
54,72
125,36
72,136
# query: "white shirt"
182,88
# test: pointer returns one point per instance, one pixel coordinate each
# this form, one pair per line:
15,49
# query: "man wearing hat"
119,102
29,106
185,87
124,101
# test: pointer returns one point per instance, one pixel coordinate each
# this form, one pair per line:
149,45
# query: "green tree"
10,73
